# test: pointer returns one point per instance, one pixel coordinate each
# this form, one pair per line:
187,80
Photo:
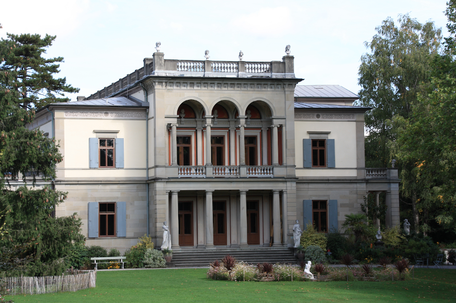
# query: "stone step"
203,258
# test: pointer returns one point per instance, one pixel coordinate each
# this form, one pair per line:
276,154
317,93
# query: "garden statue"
297,232
407,227
379,238
166,237
307,272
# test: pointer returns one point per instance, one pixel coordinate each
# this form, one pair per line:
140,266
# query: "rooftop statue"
287,49
157,46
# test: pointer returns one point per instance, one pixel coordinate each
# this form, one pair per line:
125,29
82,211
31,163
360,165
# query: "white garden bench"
107,259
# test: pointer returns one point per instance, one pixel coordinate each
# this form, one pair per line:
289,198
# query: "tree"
34,235
34,75
427,137
390,77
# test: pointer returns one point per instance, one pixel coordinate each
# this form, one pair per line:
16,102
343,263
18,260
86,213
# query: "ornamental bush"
135,256
315,254
311,237
154,258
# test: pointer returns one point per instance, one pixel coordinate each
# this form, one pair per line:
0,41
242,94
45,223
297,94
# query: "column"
377,203
199,145
208,144
174,144
232,145
264,145
285,216
209,220
175,220
242,144
276,217
284,146
275,145
243,218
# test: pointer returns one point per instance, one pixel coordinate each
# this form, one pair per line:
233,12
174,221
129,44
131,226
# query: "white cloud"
266,21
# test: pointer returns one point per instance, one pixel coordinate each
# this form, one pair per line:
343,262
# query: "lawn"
191,285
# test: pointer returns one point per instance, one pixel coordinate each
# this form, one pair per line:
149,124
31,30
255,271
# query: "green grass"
191,285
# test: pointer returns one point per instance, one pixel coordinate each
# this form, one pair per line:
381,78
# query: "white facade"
228,154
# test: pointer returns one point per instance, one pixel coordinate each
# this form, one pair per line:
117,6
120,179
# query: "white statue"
287,49
307,272
241,55
378,235
157,46
297,232
166,237
206,55
407,227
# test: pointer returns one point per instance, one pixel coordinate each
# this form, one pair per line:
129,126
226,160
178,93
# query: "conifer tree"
32,233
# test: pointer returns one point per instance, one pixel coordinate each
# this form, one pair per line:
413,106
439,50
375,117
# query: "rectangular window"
320,216
218,150
106,152
318,153
251,150
107,219
184,150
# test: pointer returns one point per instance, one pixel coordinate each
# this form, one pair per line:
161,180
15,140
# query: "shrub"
79,257
384,261
154,258
96,251
215,264
229,262
367,269
311,237
418,245
347,260
401,266
146,241
319,268
242,272
267,268
287,273
135,256
337,244
114,253
392,236
315,254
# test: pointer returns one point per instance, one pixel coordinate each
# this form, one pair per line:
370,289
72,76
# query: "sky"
103,40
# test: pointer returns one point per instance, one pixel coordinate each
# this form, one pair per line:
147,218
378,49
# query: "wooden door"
186,223
220,235
253,222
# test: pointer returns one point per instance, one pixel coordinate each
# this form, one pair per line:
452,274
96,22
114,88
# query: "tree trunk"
416,215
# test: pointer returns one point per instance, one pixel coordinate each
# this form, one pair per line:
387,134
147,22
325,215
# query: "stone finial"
206,55
241,55
157,46
287,49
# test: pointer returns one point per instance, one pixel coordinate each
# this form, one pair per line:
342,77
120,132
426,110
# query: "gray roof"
323,91
326,106
114,101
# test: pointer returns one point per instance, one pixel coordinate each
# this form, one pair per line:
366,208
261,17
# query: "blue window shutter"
333,214
93,219
331,153
121,218
93,152
119,153
307,209
307,150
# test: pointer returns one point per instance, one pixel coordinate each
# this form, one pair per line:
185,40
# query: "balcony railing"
260,171
192,172
225,171
376,173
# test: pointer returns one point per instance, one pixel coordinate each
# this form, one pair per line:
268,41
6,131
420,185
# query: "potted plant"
167,254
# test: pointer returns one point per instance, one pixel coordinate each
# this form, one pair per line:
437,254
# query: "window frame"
106,214
180,146
247,151
214,147
113,148
318,149
318,211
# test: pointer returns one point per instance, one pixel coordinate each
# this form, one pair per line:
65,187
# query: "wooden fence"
49,284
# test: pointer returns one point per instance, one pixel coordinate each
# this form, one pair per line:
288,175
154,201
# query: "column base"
243,245
176,248
210,246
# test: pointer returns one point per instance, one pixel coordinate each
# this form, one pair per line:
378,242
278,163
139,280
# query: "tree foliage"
36,242
427,139
390,77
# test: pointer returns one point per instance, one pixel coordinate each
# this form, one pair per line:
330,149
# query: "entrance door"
186,223
219,222
253,218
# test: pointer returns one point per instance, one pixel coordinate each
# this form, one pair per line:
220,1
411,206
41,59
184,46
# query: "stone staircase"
203,257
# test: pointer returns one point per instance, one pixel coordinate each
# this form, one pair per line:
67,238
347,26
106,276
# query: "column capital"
276,190
241,126
243,190
175,191
275,125
210,190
